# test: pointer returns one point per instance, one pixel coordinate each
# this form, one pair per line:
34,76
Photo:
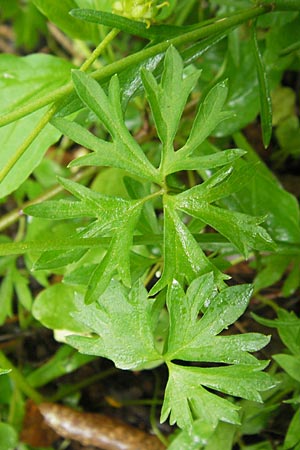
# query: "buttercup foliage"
132,241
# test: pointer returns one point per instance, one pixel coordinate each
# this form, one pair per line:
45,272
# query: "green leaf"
288,325
271,270
58,13
109,210
117,257
26,78
6,294
191,439
65,360
240,229
137,28
264,196
123,152
123,328
9,437
209,115
292,437
168,98
186,400
183,257
264,92
291,364
182,162
53,306
223,437
189,338
194,339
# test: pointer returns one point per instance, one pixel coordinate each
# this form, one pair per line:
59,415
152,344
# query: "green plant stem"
151,273
99,49
54,108
23,147
153,422
15,215
281,5
18,248
20,381
220,25
267,301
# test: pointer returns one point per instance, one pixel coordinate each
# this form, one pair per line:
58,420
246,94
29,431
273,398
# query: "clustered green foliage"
108,243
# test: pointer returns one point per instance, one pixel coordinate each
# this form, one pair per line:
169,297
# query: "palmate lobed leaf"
186,399
241,229
123,324
194,339
123,151
116,217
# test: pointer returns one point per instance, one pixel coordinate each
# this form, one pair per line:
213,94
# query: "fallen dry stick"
96,429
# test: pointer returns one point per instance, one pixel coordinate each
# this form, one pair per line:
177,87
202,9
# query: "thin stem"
20,381
53,109
220,25
151,273
15,215
281,5
23,147
98,50
153,421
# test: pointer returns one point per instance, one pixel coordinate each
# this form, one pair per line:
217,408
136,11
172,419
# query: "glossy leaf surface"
123,327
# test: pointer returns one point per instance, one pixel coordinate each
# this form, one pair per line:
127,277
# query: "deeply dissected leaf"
168,98
186,398
195,340
183,257
123,327
115,216
117,257
209,115
123,152
204,162
240,229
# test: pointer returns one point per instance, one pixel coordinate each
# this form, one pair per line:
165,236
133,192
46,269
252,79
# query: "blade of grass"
264,91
